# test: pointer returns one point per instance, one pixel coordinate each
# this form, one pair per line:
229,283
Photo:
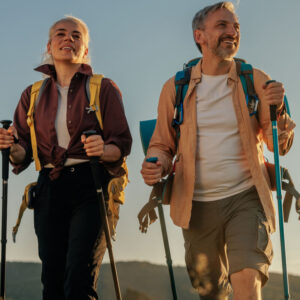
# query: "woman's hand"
7,140
93,145
7,137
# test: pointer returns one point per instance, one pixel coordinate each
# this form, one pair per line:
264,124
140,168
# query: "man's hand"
273,94
93,145
151,172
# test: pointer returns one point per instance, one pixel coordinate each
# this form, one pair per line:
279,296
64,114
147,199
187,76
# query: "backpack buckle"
92,108
178,115
252,104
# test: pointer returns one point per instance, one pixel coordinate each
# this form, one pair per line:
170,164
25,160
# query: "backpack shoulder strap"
93,87
36,91
245,72
182,80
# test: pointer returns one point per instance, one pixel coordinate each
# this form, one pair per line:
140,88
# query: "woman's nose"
69,37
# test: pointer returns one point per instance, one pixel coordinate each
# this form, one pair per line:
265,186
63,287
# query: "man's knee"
246,276
246,283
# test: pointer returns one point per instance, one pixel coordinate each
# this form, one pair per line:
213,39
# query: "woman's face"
67,43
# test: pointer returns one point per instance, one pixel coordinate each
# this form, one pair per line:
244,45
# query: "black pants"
70,234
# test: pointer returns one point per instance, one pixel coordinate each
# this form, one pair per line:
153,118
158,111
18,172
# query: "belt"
70,169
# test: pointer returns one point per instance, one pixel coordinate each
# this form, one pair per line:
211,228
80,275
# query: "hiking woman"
67,217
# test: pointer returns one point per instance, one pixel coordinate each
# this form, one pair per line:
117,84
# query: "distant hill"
138,280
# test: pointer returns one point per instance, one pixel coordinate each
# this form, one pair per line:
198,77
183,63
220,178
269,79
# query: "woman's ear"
86,51
49,47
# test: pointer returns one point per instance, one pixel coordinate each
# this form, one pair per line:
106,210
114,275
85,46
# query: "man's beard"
224,53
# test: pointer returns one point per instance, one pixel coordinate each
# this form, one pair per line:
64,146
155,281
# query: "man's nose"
231,30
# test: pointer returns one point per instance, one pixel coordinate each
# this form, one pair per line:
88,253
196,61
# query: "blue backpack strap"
192,63
245,72
182,80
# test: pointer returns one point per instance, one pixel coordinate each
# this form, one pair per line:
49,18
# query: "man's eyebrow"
226,21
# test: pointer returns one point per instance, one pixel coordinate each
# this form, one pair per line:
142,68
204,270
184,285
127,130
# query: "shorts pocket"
199,273
264,244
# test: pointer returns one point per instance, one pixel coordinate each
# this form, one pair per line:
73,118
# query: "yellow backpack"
115,186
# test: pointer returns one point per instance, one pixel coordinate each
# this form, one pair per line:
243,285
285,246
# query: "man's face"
220,35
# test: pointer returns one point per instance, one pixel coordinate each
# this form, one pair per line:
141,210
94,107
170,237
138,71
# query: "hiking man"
221,194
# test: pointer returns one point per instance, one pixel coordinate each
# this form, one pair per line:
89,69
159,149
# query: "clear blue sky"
140,44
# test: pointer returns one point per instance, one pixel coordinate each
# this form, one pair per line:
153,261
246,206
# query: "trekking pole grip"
151,159
97,168
273,108
273,112
87,134
5,123
5,152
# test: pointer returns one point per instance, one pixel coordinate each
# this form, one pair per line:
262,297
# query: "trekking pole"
98,172
5,164
273,115
165,238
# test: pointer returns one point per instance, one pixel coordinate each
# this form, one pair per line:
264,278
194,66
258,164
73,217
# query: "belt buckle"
72,169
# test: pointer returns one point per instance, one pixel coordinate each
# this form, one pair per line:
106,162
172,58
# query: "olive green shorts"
224,237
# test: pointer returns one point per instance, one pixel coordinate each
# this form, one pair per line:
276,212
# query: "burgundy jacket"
115,126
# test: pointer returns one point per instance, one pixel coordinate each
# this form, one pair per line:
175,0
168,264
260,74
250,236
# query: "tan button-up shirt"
253,133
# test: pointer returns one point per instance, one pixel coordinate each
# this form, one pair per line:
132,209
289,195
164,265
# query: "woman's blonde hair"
47,58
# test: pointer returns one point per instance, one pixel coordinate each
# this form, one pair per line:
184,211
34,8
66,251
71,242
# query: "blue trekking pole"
273,114
165,237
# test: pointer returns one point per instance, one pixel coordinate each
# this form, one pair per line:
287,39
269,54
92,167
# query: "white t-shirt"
62,132
222,169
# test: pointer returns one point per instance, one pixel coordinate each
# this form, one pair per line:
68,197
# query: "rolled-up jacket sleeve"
163,142
23,131
115,126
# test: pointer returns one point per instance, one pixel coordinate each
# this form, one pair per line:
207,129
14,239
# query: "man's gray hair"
201,15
